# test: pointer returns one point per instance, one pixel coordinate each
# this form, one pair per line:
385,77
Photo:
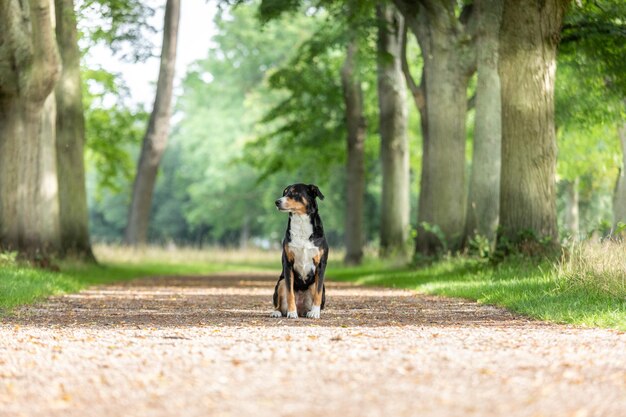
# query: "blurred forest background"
391,108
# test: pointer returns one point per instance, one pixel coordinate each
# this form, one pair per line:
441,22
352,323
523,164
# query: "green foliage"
594,37
309,124
526,244
8,259
590,91
206,193
436,231
265,109
591,151
111,128
273,9
122,25
113,132
480,245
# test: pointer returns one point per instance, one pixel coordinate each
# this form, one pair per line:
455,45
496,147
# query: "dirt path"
206,347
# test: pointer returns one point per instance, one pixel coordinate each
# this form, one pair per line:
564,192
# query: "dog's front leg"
317,290
292,311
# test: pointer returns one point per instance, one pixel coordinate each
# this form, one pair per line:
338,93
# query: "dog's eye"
285,191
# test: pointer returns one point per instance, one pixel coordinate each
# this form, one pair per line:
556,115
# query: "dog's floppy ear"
315,191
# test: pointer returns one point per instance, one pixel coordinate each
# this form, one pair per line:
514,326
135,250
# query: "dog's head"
300,199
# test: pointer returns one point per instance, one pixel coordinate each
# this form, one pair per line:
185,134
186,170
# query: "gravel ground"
207,347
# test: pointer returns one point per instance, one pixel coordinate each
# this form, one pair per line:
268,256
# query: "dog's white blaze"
303,249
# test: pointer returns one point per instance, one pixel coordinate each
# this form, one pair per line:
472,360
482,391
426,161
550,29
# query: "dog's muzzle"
279,204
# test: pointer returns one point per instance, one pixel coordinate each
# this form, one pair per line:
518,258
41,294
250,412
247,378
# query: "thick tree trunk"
445,42
443,197
483,206
528,39
619,198
441,214
395,206
29,69
571,219
155,141
70,133
355,182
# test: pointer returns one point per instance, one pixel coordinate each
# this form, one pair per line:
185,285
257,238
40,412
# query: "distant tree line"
375,101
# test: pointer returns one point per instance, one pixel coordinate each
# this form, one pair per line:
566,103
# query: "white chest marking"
303,249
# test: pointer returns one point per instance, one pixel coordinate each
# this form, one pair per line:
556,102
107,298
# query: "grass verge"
534,289
24,285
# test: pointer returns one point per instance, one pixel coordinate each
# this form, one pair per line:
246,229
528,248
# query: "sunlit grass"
532,288
20,284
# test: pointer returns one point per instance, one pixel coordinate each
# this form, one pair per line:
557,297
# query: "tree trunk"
484,188
418,93
619,198
29,70
528,39
70,133
244,235
394,151
155,140
571,209
445,42
355,182
443,185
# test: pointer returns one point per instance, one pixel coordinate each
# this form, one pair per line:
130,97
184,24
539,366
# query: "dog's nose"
277,202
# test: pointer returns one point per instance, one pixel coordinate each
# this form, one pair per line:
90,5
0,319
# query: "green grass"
23,285
527,287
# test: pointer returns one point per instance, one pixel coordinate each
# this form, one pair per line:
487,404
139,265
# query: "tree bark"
419,98
619,198
445,42
29,70
484,189
355,180
528,39
70,134
155,140
571,219
395,206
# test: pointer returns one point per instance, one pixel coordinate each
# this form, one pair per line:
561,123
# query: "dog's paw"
314,313
292,314
276,313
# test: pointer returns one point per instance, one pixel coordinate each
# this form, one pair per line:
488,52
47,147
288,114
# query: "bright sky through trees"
196,29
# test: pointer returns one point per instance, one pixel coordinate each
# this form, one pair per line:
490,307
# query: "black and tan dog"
300,288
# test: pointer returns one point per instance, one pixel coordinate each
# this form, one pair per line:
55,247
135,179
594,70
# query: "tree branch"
416,91
15,53
46,64
573,32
